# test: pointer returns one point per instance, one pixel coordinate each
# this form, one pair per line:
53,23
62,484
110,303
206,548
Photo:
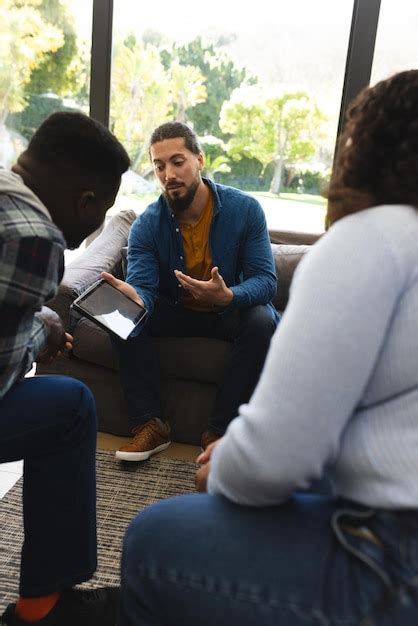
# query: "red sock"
34,609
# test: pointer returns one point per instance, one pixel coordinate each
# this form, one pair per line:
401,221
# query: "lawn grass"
288,211
306,198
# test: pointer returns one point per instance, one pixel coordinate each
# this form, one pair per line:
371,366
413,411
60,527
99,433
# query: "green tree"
140,98
25,39
273,127
221,78
215,165
59,70
216,161
187,89
37,110
146,93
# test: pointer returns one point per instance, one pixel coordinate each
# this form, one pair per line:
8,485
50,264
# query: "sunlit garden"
270,139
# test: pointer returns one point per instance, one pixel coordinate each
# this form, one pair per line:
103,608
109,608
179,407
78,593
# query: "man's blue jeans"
313,561
50,422
250,331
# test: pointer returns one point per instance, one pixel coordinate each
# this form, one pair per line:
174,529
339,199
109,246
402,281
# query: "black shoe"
76,607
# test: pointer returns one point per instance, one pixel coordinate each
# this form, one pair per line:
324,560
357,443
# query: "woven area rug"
122,491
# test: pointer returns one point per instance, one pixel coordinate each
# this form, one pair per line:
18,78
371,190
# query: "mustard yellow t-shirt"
197,255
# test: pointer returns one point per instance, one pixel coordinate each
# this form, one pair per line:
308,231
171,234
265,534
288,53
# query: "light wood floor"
11,472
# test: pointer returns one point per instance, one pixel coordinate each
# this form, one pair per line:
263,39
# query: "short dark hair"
174,130
74,141
377,158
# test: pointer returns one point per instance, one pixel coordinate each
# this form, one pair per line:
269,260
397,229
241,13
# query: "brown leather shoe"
149,438
208,437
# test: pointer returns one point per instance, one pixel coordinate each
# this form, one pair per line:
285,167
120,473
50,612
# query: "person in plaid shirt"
55,196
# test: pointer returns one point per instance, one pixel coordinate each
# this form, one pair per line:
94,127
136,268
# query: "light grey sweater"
339,389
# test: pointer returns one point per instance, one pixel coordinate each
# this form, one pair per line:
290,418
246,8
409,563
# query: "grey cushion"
286,258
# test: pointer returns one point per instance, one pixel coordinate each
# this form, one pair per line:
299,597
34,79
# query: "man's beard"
181,203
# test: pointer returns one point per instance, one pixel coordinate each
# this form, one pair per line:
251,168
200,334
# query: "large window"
261,85
44,66
396,42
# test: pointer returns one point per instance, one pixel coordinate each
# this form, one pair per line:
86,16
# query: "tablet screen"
110,308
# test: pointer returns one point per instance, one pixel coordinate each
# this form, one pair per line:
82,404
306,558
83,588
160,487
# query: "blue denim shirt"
239,246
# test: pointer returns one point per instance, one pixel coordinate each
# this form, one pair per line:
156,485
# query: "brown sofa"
190,367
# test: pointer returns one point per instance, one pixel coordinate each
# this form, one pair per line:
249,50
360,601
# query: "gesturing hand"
57,340
213,291
124,287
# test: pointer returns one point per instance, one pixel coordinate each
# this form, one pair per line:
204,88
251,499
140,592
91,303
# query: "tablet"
110,308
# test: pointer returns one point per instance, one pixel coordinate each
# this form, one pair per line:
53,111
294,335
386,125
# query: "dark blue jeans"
249,329
200,559
50,423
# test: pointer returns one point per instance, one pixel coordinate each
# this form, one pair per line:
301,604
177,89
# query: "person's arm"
258,271
30,269
143,271
318,366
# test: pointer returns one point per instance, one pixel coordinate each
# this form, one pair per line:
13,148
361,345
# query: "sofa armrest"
286,259
102,255
293,237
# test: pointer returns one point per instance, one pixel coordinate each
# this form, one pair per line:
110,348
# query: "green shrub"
37,110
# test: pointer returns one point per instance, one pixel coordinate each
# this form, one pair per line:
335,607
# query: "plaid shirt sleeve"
31,268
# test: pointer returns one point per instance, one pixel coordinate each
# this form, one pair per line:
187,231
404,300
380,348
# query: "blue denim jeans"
249,329
50,423
200,559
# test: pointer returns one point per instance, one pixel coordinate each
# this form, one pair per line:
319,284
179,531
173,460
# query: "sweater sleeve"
320,360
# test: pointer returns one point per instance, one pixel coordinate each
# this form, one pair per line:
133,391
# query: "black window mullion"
101,56
360,53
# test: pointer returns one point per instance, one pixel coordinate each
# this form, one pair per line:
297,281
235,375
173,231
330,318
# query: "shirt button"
181,257
172,216
177,230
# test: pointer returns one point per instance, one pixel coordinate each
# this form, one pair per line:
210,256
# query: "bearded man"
200,261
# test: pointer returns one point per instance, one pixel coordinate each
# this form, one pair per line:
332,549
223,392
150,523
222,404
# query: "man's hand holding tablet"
125,288
112,304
